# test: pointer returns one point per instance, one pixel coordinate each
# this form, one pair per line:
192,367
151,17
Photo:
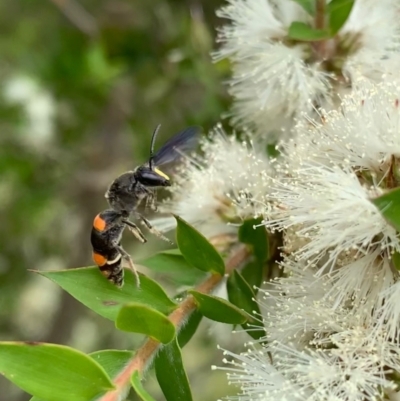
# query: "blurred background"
83,83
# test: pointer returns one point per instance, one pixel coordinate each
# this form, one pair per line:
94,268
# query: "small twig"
320,14
78,16
319,23
178,317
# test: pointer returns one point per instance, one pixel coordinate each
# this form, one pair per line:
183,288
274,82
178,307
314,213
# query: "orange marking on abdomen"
99,223
100,260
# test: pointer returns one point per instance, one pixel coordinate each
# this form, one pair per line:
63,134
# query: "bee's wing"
182,142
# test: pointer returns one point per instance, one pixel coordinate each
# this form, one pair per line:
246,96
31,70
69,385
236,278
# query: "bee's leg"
135,230
153,230
151,200
128,258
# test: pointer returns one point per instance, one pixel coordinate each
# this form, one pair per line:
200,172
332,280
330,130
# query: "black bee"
124,196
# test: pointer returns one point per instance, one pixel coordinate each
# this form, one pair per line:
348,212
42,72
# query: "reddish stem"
145,354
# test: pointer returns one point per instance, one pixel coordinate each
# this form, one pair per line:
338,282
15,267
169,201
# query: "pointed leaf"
308,5
256,236
253,274
396,260
53,372
190,327
197,250
138,318
241,295
88,286
112,361
301,31
139,389
171,374
338,11
251,233
218,309
174,251
389,206
174,266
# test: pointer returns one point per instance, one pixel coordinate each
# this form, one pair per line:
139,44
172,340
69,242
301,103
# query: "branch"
178,317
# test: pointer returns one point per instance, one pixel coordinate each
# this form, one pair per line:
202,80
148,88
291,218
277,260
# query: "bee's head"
152,177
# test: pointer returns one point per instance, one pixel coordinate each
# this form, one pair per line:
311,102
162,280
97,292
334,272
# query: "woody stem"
146,353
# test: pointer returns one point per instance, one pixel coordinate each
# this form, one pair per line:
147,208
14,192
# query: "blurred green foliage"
82,86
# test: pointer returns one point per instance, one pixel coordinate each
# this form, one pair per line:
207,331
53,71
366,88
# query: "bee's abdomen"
110,267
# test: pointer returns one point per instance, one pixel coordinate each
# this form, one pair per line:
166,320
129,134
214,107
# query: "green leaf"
197,250
171,374
338,11
218,309
253,273
138,318
174,266
241,295
256,237
112,361
139,389
396,260
308,5
301,31
389,206
272,151
53,372
190,327
88,286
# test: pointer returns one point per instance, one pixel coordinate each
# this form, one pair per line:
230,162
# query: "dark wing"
182,142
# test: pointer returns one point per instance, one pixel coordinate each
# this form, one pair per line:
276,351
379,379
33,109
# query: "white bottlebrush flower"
317,351
271,81
373,30
329,173
303,309
351,366
298,309
332,171
217,190
360,284
332,210
257,378
387,315
276,79
362,134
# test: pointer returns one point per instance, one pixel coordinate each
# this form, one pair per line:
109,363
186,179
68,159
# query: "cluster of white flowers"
333,322
333,319
216,191
276,79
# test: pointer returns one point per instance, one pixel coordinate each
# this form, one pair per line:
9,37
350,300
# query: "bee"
124,195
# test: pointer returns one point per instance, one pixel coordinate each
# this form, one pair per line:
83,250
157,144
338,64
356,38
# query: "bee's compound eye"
152,178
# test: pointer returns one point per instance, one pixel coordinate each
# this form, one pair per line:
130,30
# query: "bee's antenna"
153,141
